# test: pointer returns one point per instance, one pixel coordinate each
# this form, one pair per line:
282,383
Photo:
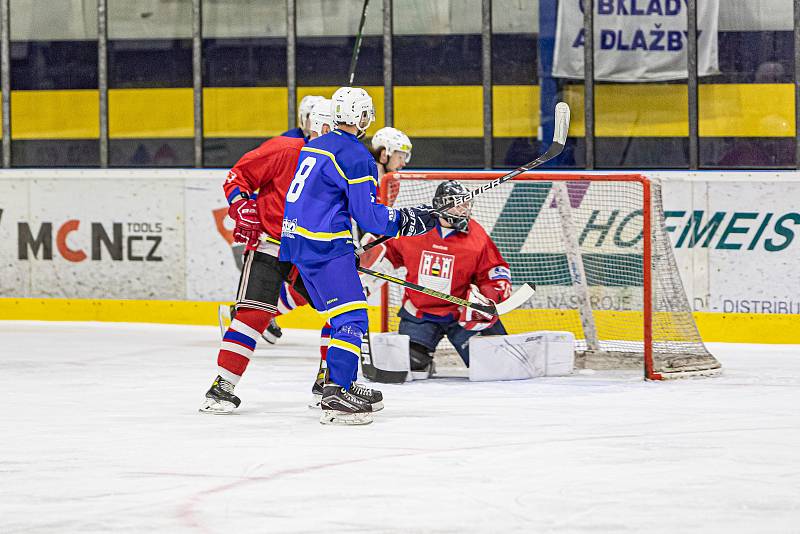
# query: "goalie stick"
517,298
559,140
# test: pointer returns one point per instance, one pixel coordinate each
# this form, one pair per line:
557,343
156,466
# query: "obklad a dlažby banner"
635,40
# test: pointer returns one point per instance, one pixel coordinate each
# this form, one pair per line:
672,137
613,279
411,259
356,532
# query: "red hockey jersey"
449,261
266,171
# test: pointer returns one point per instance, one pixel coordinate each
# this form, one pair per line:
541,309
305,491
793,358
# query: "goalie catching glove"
495,290
248,227
474,320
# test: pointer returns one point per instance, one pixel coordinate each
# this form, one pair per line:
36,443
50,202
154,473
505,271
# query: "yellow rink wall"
714,327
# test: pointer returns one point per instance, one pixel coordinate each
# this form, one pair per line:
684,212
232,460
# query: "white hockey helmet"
320,115
353,106
392,140
304,109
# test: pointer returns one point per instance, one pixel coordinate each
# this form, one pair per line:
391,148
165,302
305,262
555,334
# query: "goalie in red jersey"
458,257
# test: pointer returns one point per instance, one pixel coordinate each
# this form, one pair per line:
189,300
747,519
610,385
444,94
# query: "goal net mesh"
585,256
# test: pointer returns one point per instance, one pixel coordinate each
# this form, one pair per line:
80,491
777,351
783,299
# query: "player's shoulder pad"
353,158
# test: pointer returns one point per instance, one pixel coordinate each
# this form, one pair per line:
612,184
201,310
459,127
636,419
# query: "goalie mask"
457,216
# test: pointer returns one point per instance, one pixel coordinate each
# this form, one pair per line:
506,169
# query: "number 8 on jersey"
299,181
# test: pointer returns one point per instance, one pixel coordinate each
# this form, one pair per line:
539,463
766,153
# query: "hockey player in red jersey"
256,189
457,257
272,332
391,149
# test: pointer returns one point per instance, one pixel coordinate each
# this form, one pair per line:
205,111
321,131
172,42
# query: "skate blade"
333,417
315,402
214,407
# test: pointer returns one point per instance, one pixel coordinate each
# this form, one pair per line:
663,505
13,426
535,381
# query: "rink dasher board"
162,234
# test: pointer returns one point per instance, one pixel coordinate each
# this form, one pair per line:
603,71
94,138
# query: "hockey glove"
416,221
248,227
474,320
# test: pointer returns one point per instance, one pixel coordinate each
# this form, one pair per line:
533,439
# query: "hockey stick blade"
517,299
562,115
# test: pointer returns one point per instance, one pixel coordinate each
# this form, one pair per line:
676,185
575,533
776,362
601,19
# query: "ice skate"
340,407
272,333
316,391
220,399
373,396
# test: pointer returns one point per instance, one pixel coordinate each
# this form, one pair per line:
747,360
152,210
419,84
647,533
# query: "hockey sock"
343,353
324,341
239,342
289,299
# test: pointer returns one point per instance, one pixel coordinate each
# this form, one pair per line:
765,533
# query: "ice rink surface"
101,434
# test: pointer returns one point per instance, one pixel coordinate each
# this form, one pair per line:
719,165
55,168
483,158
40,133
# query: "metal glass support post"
291,57
691,66
486,56
5,74
197,79
102,80
588,79
388,90
797,82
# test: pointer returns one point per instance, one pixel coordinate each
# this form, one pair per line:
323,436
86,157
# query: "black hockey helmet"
457,217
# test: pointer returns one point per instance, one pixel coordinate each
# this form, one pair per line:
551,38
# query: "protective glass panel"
747,112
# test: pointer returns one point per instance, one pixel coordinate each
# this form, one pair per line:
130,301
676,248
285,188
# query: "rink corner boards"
714,327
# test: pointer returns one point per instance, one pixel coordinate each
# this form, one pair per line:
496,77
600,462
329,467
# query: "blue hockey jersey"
335,179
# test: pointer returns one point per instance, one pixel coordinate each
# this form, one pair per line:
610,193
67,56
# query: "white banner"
83,235
736,242
635,40
212,272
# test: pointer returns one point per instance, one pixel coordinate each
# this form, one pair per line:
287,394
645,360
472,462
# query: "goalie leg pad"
388,362
460,337
522,356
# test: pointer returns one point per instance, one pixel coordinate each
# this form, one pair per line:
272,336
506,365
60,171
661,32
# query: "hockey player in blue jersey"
336,179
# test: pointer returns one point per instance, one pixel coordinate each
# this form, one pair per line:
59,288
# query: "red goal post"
580,238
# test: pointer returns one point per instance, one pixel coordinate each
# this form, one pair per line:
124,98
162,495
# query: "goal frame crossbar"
647,231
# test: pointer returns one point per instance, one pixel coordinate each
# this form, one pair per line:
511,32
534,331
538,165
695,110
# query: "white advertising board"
88,235
163,234
211,269
735,238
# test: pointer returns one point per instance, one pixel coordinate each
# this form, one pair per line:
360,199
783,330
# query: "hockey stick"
517,298
357,45
559,140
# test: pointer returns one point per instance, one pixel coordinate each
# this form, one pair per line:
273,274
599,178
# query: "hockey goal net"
596,248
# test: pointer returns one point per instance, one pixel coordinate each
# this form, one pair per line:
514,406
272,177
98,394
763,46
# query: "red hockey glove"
473,319
248,227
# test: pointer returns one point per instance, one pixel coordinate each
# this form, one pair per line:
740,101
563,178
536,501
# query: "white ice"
100,433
